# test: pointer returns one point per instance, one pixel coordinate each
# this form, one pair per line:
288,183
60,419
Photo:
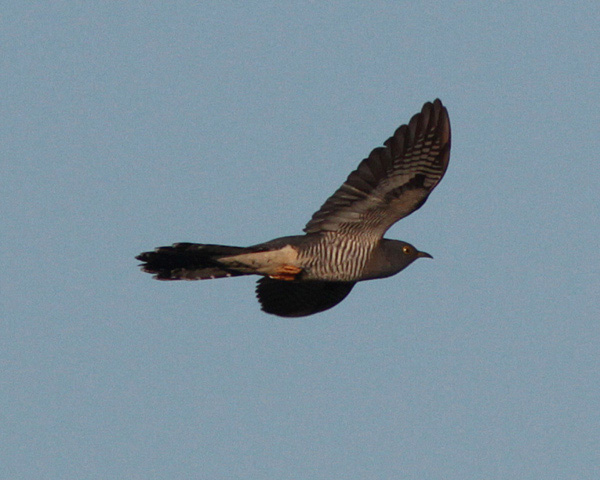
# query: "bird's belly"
345,263
263,263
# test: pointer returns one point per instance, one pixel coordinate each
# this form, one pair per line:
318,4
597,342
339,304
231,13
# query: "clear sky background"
129,125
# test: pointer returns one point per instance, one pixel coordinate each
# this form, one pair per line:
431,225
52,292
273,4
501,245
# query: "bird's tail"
190,261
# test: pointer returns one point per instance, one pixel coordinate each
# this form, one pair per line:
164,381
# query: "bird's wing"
393,181
298,299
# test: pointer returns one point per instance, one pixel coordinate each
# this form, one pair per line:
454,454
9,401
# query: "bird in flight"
343,242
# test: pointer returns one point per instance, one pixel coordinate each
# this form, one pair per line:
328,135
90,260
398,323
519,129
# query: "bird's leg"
286,272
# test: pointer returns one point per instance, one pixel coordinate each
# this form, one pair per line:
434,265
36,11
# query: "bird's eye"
407,250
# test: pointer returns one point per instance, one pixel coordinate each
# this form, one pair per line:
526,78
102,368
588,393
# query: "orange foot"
286,272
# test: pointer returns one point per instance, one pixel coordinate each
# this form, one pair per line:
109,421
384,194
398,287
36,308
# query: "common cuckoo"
343,242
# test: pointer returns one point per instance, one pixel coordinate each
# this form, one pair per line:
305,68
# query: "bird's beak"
423,255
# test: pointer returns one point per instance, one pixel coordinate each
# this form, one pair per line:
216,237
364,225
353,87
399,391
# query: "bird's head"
393,257
408,252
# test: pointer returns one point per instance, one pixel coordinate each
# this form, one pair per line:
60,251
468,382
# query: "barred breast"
334,257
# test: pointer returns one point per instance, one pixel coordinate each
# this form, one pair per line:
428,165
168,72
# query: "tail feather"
190,261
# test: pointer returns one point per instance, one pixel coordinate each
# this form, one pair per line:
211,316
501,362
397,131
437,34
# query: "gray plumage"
344,243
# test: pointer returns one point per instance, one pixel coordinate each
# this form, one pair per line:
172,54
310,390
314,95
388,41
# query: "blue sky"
128,125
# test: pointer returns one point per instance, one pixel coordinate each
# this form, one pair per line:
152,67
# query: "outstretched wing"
393,181
298,299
